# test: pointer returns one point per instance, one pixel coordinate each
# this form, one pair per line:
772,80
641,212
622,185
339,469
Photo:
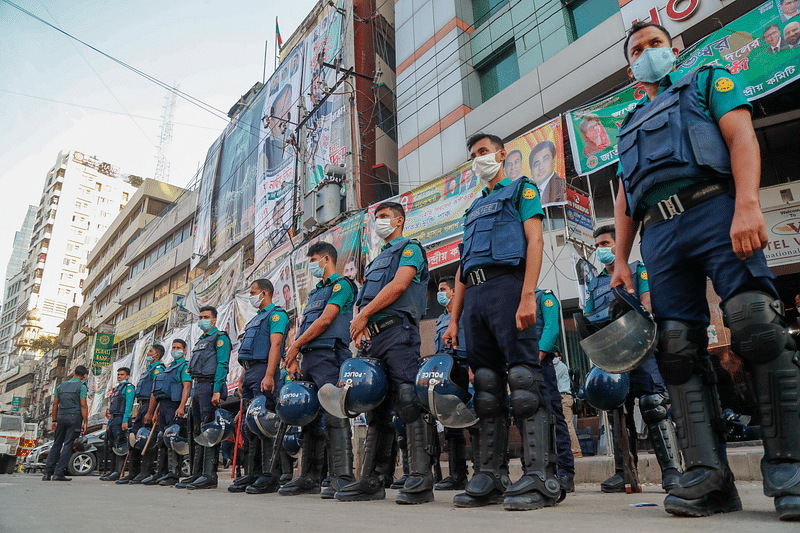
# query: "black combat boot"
311,464
340,452
134,467
172,476
377,446
209,478
252,465
456,460
161,466
268,481
418,488
402,446
197,468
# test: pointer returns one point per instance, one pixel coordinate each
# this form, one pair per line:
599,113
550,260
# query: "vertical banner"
138,363
219,287
539,154
103,344
326,144
579,218
201,244
277,159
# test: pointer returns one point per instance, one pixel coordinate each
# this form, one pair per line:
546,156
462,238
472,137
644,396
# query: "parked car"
80,464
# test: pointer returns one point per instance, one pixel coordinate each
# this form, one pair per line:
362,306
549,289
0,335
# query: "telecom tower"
162,166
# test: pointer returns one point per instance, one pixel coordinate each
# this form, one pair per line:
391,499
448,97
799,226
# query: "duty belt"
374,328
203,380
117,416
482,275
250,363
679,203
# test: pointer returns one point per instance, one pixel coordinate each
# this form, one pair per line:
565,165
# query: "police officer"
646,381
142,464
689,169
119,413
70,416
208,367
324,339
501,260
390,305
171,389
454,438
260,354
548,328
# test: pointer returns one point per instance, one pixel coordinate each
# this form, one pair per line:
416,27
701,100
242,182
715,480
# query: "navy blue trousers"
67,430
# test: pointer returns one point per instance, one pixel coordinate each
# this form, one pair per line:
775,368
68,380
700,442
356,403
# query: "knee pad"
526,395
679,348
653,409
756,323
407,405
489,393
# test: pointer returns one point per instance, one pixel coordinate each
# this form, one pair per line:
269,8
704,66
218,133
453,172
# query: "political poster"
276,193
201,244
539,154
579,218
326,142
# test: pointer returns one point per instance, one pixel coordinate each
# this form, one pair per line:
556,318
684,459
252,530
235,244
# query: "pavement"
30,505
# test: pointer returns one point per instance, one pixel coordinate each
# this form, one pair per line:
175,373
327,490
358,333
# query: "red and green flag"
278,34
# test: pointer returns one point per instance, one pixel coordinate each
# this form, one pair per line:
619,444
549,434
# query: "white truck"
12,430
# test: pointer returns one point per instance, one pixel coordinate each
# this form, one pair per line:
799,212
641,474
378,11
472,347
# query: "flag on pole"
278,34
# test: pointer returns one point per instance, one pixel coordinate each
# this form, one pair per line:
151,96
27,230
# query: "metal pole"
264,76
352,134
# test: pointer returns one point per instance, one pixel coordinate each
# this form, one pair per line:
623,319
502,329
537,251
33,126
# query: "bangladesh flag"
278,34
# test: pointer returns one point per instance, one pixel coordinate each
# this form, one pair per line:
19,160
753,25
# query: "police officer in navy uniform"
646,381
120,405
501,260
208,367
70,416
689,169
324,339
454,437
390,304
170,391
260,354
142,464
548,328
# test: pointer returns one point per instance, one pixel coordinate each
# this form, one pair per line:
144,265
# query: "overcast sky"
57,94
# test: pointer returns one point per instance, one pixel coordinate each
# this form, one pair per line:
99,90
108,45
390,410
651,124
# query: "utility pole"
352,132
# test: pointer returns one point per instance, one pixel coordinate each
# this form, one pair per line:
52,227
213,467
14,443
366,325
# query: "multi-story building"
80,198
13,285
137,268
22,240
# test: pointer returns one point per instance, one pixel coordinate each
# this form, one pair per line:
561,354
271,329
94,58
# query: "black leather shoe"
47,477
61,478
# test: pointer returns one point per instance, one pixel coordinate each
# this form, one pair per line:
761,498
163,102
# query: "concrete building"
22,240
137,268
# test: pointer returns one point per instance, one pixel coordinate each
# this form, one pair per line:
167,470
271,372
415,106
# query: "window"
500,71
387,121
384,49
483,9
585,15
187,231
168,245
162,249
99,186
162,289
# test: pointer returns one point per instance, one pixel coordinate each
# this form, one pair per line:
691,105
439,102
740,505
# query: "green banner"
103,344
762,47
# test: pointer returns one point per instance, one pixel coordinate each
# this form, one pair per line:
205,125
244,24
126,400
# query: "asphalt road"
28,504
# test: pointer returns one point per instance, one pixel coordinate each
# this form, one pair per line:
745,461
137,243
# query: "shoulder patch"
408,252
337,287
529,194
723,84
644,275
220,343
549,303
276,317
157,371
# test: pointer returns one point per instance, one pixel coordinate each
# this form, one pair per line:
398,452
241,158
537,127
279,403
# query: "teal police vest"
668,139
414,300
256,343
167,385
203,364
600,290
116,406
69,398
493,233
338,329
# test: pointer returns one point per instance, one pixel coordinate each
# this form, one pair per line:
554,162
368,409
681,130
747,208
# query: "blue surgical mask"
653,65
205,324
605,256
316,269
148,359
177,354
442,298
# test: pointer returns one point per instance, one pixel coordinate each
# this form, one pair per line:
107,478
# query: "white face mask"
383,227
486,167
255,300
